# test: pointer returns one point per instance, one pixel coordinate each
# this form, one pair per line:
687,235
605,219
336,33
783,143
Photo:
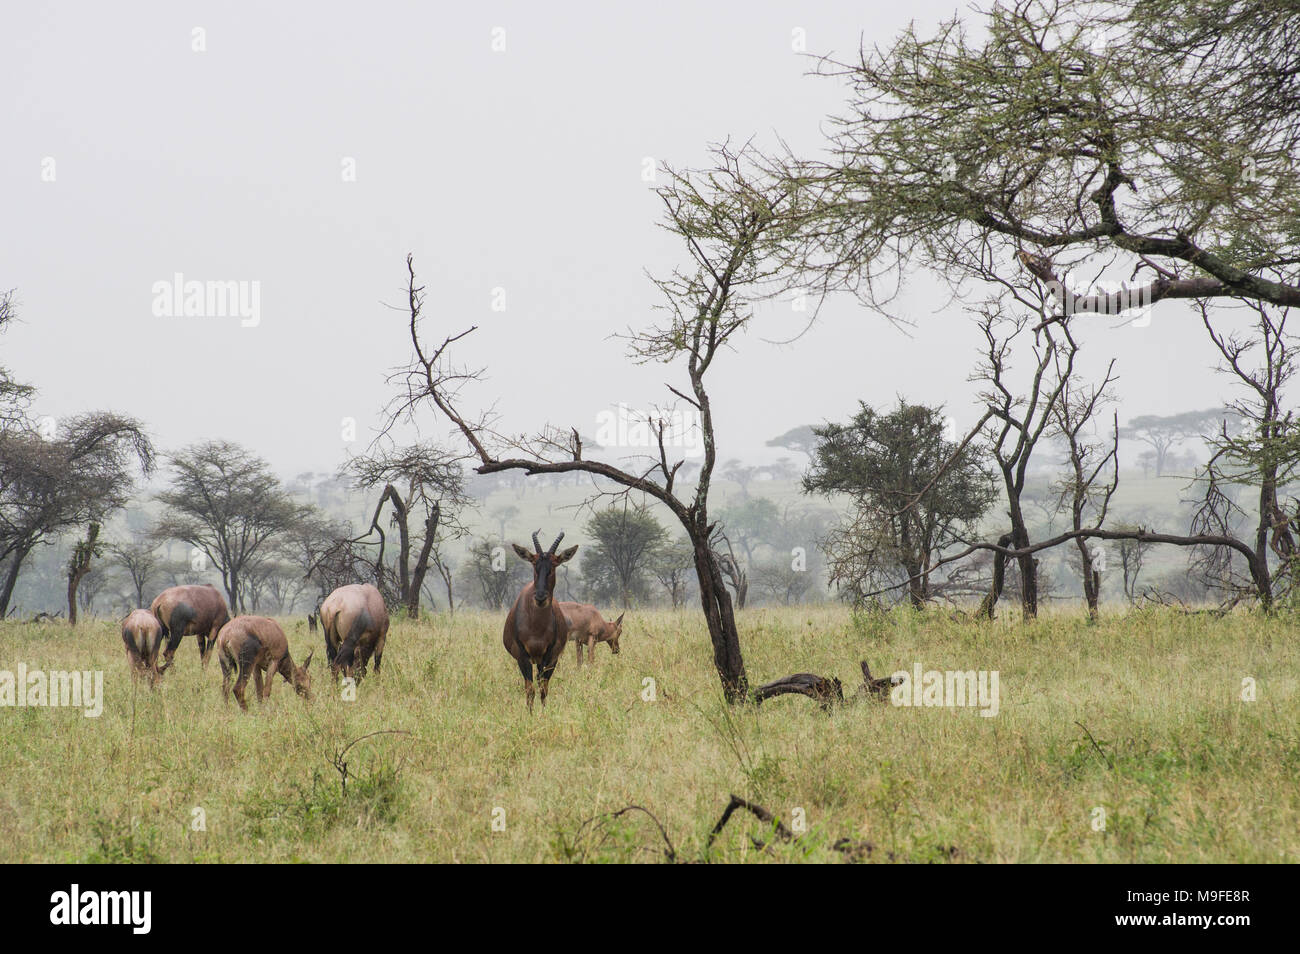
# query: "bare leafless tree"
1092,476
1020,417
1260,451
726,217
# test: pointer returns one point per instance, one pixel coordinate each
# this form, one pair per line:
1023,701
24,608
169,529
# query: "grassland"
1185,770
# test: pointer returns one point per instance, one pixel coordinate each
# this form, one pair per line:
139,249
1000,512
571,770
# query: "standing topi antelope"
197,611
536,630
587,628
257,646
355,621
142,634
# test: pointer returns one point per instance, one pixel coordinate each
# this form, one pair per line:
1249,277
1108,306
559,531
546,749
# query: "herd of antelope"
355,624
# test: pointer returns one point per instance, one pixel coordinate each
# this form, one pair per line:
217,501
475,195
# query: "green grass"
1183,768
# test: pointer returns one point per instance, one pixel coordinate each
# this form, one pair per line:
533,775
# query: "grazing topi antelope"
536,630
197,611
587,628
142,634
355,621
256,646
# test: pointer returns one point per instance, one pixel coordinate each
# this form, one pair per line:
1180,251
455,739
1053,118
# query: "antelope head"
544,564
613,631
302,679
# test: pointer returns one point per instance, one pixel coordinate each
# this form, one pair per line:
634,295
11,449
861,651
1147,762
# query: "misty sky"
519,170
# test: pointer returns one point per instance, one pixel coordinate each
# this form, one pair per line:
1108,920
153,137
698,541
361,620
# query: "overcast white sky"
518,169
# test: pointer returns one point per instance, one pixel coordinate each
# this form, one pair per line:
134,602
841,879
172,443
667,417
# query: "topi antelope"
536,630
355,621
587,628
197,611
143,634
256,646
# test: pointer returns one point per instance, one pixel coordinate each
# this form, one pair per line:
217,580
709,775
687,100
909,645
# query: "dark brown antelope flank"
536,630
587,628
142,634
257,646
197,611
355,621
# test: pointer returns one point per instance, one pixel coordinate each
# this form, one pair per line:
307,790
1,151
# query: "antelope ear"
618,623
528,555
307,662
566,556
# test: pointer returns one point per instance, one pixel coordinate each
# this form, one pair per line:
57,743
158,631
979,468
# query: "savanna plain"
1129,739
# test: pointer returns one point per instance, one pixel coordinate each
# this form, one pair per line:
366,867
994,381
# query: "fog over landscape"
519,171
691,432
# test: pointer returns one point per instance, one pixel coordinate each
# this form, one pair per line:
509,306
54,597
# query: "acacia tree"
1163,433
1153,135
433,484
225,502
625,539
81,475
801,439
1152,139
912,495
14,395
141,561
671,566
727,218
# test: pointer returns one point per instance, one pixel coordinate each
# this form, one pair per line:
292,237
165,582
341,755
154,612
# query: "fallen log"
873,686
825,691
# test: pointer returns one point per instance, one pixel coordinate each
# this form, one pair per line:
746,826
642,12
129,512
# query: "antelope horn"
536,543
551,552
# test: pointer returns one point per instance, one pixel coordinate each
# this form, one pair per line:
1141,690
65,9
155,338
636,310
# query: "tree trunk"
1028,584
916,584
421,565
232,591
1091,578
11,578
722,622
1263,583
78,567
1027,564
445,572
990,600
